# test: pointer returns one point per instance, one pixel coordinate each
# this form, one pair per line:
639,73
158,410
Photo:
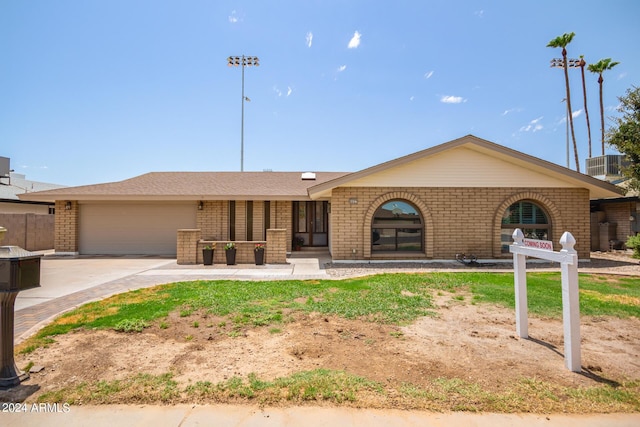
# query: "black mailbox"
19,269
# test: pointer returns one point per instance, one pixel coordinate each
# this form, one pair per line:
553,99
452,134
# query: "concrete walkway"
251,416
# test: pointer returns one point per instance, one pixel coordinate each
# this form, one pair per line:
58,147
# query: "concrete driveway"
67,282
60,276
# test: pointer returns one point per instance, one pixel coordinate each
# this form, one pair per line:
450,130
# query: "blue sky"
100,91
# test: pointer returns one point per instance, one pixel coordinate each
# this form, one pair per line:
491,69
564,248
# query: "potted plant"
258,251
230,253
298,242
207,254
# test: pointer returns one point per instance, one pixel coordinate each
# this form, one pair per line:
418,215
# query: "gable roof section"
468,162
194,186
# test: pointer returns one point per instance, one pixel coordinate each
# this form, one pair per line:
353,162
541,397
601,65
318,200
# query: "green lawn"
385,298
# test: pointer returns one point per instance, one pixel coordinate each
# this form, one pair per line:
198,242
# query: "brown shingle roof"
194,186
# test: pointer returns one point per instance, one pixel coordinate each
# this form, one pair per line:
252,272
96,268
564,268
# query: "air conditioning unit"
608,167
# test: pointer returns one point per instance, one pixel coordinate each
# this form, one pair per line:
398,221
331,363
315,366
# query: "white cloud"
342,68
309,38
622,76
355,41
279,92
479,13
34,167
533,126
511,110
575,114
233,18
449,99
428,75
412,98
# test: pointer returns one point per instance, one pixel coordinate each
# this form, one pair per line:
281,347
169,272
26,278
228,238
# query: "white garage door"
133,228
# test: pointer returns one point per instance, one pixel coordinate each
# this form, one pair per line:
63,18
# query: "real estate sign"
568,259
539,244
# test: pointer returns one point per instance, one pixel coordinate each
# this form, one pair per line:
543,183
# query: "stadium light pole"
571,63
242,61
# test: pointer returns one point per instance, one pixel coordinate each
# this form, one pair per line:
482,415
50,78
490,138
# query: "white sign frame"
568,259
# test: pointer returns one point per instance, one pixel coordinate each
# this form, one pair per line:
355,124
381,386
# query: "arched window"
397,226
527,216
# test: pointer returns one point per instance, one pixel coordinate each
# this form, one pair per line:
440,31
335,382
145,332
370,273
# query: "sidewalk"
249,416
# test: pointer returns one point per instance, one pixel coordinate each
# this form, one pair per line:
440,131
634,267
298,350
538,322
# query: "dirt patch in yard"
475,343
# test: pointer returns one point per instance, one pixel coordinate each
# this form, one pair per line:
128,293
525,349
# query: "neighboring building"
13,184
30,224
467,195
613,220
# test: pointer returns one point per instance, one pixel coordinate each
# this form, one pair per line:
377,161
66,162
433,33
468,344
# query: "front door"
310,223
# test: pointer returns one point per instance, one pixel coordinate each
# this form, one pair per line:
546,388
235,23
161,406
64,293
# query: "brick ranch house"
463,196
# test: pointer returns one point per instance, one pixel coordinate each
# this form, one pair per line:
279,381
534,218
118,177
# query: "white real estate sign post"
568,259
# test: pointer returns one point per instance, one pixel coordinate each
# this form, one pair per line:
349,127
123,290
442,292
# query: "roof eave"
142,197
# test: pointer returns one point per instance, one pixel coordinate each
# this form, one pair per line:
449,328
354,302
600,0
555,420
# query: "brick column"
66,233
276,246
187,246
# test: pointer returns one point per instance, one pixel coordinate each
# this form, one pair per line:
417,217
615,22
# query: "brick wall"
66,229
241,220
281,219
213,219
190,245
457,220
258,221
619,214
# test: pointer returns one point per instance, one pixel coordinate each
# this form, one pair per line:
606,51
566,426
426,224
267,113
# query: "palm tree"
599,68
584,92
562,41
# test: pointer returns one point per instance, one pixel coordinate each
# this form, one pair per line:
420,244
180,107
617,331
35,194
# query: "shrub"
131,325
633,242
